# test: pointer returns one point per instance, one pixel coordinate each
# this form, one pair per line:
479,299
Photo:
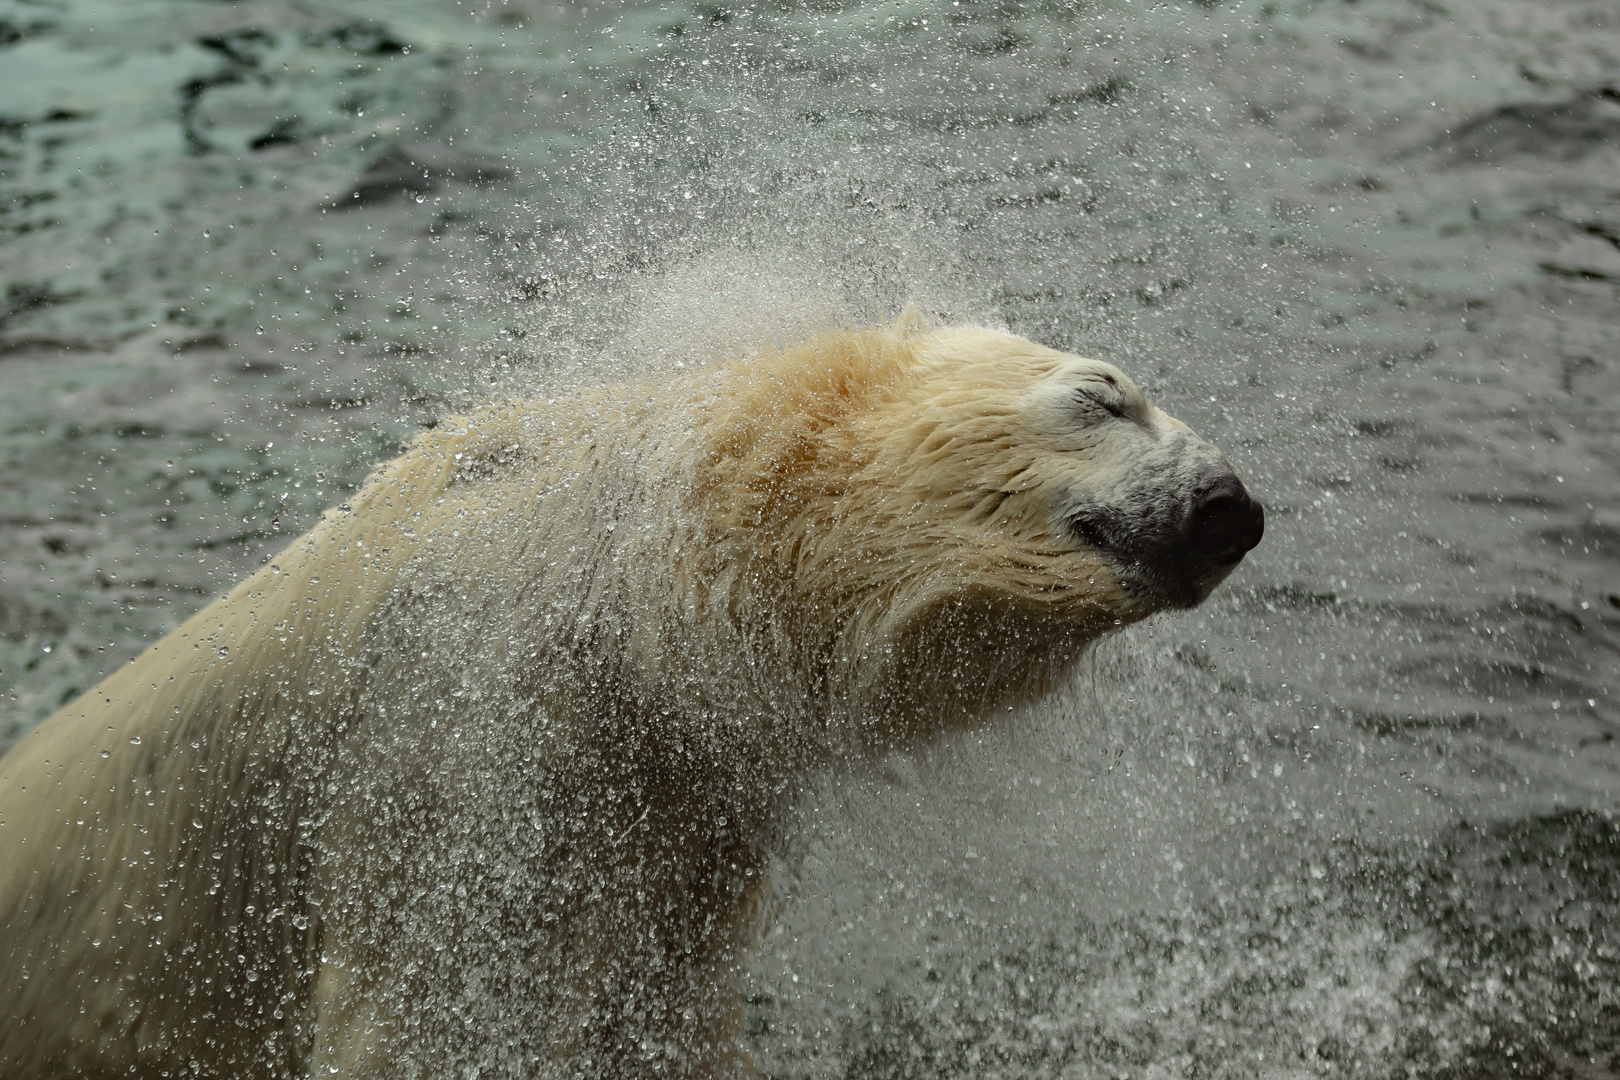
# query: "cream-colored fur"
483,772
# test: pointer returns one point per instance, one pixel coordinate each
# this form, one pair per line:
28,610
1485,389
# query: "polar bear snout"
1173,546
1226,522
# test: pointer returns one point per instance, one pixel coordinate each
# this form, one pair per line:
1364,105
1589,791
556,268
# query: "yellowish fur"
482,772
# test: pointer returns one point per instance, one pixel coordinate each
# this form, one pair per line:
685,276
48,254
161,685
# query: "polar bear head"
964,509
1109,474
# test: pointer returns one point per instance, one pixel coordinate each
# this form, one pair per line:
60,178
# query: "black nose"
1226,522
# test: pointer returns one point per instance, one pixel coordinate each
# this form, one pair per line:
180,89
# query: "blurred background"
1355,817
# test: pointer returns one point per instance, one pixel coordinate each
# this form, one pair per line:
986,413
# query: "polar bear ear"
910,322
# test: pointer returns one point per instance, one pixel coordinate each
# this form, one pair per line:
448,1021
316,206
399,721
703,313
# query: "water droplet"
196,823
136,741
223,649
106,753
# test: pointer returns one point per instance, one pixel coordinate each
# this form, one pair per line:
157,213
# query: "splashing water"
1353,817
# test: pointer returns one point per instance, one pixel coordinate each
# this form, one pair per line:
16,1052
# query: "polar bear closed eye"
482,775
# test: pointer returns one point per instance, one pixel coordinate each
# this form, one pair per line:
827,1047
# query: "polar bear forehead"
1009,361
1016,358
1100,377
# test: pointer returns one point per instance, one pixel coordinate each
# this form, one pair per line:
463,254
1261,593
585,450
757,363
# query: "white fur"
484,772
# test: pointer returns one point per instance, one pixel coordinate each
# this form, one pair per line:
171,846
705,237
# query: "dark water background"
1353,818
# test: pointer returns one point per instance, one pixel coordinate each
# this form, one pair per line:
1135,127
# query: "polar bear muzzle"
1171,547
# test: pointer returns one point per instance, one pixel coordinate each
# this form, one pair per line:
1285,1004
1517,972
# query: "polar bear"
482,775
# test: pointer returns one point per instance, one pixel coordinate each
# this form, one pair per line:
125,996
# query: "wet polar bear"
481,776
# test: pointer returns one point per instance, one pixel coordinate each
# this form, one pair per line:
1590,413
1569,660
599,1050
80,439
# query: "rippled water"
1354,817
